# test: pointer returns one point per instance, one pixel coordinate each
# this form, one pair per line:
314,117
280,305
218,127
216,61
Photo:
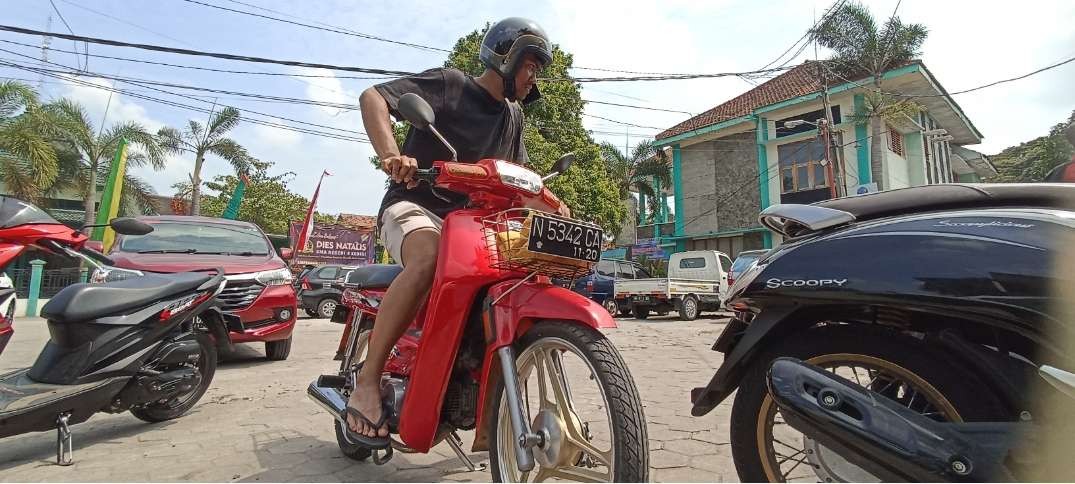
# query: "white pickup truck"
697,281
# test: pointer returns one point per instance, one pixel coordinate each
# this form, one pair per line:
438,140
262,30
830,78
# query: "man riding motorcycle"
482,116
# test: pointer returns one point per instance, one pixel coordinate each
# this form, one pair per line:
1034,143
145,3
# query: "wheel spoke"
788,473
555,380
577,474
789,457
586,446
778,441
542,378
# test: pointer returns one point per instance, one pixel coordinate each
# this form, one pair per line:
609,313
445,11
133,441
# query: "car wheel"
689,308
326,307
611,306
278,350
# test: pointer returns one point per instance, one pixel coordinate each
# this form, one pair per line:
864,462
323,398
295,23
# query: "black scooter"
917,323
144,344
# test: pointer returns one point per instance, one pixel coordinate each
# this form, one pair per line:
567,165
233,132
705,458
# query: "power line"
176,50
328,29
621,122
637,107
210,69
166,102
65,24
124,22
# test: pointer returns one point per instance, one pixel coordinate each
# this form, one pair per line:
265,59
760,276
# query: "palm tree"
202,141
860,48
88,154
635,174
27,159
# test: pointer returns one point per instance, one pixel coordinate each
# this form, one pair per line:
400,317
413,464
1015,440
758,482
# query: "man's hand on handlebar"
401,168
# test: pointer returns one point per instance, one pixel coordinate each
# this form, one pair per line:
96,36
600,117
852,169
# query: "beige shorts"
402,218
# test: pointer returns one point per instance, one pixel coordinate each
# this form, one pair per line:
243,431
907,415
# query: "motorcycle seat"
930,198
374,276
83,302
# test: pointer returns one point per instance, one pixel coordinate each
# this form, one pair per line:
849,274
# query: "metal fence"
52,280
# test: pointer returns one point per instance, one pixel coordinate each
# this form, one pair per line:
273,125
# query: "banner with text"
333,244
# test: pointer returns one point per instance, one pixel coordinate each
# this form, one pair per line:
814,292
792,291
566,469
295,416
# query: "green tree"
554,127
267,200
88,153
1030,161
27,158
860,48
636,173
203,140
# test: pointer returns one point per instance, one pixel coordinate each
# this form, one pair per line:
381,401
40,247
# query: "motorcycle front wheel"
578,394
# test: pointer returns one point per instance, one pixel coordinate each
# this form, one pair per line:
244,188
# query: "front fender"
740,343
512,316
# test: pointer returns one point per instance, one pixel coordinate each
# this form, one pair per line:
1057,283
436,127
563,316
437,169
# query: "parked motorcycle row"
920,334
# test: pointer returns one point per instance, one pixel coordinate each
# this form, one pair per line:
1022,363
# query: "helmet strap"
509,87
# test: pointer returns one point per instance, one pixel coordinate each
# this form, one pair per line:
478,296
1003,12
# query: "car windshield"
197,238
742,262
15,212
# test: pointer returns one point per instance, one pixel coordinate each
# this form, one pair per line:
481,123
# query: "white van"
697,281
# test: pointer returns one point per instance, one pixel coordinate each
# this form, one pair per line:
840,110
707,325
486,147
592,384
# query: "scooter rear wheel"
568,376
180,404
766,449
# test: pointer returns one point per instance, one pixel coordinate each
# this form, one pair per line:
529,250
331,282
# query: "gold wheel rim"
768,410
575,446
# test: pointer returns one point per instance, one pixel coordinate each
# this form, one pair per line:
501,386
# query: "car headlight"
112,274
275,277
519,177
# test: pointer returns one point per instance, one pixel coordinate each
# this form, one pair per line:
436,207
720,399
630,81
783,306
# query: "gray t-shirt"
476,124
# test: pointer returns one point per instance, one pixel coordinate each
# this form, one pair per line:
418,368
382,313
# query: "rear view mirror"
130,226
561,166
416,111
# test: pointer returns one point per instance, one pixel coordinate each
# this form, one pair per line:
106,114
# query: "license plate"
565,238
642,298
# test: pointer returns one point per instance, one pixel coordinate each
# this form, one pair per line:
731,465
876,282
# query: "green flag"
109,207
236,198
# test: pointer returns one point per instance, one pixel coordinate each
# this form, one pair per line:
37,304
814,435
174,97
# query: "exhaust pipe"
884,437
328,398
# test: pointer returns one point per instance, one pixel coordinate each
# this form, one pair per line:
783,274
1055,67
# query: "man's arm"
378,126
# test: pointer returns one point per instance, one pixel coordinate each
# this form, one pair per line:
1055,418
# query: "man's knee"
420,255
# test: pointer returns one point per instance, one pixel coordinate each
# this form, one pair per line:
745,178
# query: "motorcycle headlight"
112,274
519,177
275,277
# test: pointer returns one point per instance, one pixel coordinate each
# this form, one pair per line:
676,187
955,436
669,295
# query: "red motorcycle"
498,348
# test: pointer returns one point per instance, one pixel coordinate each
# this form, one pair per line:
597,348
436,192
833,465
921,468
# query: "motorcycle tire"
159,412
349,450
631,448
890,350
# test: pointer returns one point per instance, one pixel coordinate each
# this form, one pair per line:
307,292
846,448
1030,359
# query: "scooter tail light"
306,284
589,286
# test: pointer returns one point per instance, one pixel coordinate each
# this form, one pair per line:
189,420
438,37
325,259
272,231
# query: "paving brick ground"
255,423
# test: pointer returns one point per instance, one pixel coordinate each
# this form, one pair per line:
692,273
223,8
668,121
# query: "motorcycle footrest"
332,381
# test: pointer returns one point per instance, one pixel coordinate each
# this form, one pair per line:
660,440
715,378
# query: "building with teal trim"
763,148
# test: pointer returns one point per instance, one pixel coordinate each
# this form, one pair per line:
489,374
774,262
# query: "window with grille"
895,141
800,166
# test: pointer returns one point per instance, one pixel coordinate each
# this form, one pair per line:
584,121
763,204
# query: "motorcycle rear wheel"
765,449
181,404
571,451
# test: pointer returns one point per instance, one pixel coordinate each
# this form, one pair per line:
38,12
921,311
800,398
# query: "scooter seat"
83,302
930,198
374,276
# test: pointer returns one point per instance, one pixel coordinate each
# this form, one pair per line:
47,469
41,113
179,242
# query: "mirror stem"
455,156
550,176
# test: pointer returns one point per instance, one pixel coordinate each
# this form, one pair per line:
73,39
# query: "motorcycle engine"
392,392
461,404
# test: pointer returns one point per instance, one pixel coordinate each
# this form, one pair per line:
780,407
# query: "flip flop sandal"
359,439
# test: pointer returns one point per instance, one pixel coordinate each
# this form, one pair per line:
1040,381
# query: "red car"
259,287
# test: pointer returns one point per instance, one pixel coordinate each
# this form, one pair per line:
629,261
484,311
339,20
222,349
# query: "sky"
970,43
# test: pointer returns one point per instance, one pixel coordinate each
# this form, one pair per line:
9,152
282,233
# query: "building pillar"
762,136
36,271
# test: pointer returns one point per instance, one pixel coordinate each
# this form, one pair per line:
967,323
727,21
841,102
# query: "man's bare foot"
367,400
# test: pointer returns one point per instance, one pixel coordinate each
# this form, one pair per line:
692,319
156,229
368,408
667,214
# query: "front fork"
525,439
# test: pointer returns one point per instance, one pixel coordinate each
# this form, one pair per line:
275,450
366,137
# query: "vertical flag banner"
236,198
308,224
112,196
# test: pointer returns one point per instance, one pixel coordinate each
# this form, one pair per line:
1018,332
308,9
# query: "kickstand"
457,446
64,447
